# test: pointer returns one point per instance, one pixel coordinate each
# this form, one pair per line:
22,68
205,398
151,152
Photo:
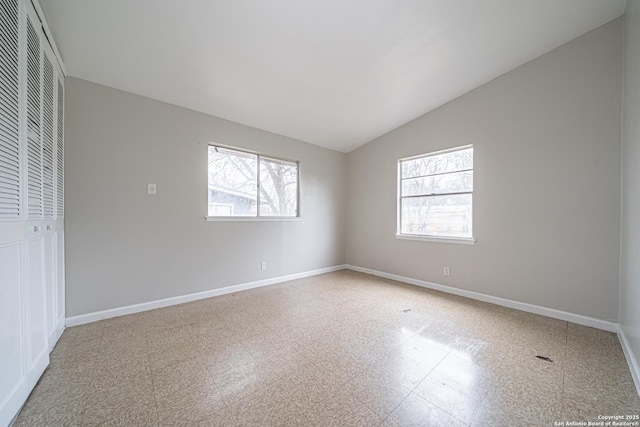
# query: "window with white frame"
246,184
435,195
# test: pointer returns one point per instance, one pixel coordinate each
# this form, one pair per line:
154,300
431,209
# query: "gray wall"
125,247
630,245
547,183
546,202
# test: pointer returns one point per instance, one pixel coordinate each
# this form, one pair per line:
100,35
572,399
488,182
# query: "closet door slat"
47,139
34,143
60,153
9,111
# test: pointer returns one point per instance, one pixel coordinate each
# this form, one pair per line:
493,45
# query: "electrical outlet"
263,265
446,271
151,189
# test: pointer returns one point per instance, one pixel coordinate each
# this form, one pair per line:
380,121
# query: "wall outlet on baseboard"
446,271
263,265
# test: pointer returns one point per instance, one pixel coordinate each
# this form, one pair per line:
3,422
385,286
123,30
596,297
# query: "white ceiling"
335,73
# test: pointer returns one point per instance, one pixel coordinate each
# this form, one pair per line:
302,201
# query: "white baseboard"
137,308
631,359
530,308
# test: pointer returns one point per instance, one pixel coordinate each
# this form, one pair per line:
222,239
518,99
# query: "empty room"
320,213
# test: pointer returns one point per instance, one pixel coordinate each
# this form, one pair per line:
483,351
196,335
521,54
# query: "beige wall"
630,245
547,187
125,247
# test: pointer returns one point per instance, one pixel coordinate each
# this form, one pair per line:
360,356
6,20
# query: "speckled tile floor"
341,349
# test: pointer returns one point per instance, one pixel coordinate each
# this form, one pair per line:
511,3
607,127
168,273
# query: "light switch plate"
151,189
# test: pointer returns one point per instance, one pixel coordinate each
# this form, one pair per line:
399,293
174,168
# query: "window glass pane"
439,163
456,182
440,216
278,187
233,185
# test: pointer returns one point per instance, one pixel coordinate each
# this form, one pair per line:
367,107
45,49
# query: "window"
244,184
435,195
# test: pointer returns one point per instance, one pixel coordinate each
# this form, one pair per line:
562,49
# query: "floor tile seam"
374,412
500,410
198,357
379,358
390,326
227,409
562,407
51,407
82,421
123,364
120,356
275,379
357,397
202,343
307,408
564,368
504,358
260,359
153,385
213,377
484,396
96,356
94,362
432,368
128,375
420,382
325,397
169,331
102,327
166,394
477,411
205,361
473,419
490,382
498,393
513,413
394,381
224,401
174,345
180,325
446,412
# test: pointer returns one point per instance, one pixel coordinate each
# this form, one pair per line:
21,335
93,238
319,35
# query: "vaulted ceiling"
335,73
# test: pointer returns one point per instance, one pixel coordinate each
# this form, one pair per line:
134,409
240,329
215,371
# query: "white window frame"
426,237
257,217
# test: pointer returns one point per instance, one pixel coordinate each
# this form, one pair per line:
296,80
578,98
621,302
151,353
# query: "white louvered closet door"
31,203
59,223
32,311
53,192
34,227
12,353
48,189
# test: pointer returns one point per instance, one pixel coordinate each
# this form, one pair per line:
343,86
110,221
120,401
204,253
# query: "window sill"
461,241
252,218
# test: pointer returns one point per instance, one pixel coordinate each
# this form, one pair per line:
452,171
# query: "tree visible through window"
250,185
435,194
